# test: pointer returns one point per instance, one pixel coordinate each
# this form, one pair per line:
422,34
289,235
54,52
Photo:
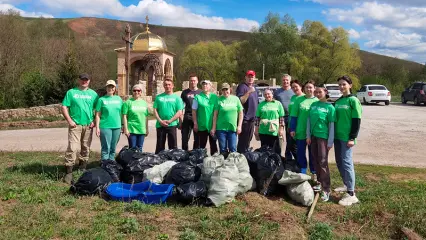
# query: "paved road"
390,135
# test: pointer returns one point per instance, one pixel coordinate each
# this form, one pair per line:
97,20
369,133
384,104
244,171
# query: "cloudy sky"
395,28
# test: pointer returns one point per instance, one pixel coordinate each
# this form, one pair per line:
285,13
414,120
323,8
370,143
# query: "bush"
34,89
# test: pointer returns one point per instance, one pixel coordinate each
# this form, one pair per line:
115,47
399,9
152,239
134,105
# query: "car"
374,93
261,90
414,93
333,91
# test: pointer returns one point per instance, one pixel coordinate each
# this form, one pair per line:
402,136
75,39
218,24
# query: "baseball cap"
84,76
137,86
110,82
225,85
250,72
206,81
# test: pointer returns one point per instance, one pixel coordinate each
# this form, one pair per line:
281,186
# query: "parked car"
415,93
333,91
373,93
261,90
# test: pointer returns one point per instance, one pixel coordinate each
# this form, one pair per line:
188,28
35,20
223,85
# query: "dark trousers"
320,156
244,139
302,160
162,134
203,136
291,149
270,141
187,128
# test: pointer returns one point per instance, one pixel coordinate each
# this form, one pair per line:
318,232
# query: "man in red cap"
249,99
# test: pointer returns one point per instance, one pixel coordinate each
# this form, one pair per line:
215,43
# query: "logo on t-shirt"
305,106
339,106
163,99
143,108
321,109
78,96
227,105
109,102
269,108
190,95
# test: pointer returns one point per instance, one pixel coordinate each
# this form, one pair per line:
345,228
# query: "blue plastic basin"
147,192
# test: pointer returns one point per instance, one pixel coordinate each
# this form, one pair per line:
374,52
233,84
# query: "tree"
34,88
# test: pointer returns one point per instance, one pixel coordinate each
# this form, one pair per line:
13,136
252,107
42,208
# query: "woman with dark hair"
298,124
348,121
269,124
291,148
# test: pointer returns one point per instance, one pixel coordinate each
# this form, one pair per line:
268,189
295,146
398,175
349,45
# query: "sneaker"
314,178
341,189
325,196
317,188
348,200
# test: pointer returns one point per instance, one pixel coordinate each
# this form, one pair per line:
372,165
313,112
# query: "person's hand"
147,133
164,123
92,124
213,132
238,130
292,134
281,132
195,127
98,132
72,124
330,147
127,133
351,144
308,141
251,90
180,125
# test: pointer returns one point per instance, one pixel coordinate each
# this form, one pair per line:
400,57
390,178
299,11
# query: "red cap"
250,72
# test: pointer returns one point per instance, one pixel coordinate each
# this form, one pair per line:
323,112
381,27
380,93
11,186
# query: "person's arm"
97,123
147,127
67,117
356,120
308,131
194,114
162,123
125,127
243,96
240,121
330,135
213,131
293,124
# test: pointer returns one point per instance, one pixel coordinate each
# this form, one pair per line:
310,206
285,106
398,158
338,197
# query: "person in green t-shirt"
108,121
269,124
227,120
202,116
348,122
320,136
291,148
167,109
77,109
299,116
135,119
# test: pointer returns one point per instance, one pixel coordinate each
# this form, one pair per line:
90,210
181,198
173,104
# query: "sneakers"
317,188
325,196
341,189
348,200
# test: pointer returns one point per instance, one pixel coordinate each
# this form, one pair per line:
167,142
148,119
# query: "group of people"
295,117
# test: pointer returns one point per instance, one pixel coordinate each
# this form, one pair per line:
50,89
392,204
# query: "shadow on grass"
51,172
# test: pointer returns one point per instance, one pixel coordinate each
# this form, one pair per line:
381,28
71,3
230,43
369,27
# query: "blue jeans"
109,138
345,163
302,161
227,141
136,141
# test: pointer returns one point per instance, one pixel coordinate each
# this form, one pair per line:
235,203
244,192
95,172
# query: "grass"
35,204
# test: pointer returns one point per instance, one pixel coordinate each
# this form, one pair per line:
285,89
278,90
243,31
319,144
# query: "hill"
107,33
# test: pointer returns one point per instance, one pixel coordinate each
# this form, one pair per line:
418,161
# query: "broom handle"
311,211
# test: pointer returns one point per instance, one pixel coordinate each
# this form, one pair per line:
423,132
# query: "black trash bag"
177,155
125,156
93,181
184,172
270,170
252,158
291,165
113,168
131,177
197,155
191,193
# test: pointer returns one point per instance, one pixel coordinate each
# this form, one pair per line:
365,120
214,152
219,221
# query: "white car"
373,93
333,91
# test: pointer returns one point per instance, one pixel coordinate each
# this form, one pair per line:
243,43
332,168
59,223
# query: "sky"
395,28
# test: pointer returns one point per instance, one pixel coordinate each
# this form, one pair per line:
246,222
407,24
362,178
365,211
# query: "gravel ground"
390,135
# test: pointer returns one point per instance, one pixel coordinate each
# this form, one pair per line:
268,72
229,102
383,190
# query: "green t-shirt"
167,106
300,109
227,115
205,110
136,111
110,108
320,116
346,108
271,111
81,105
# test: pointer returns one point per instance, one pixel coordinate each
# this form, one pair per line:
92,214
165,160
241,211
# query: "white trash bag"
223,184
245,180
210,164
290,177
301,193
157,173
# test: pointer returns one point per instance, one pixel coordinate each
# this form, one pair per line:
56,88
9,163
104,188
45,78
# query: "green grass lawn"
35,204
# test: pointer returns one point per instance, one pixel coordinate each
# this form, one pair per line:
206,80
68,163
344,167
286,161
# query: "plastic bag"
182,173
177,155
270,170
301,193
291,165
245,181
210,164
191,193
113,168
197,155
157,173
252,157
224,184
293,178
93,181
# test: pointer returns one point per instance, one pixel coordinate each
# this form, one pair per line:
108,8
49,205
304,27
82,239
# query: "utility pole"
263,74
126,38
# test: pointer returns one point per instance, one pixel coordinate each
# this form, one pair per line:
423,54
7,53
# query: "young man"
284,95
78,109
188,96
167,110
247,94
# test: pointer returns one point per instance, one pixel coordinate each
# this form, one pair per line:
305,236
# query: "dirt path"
390,135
